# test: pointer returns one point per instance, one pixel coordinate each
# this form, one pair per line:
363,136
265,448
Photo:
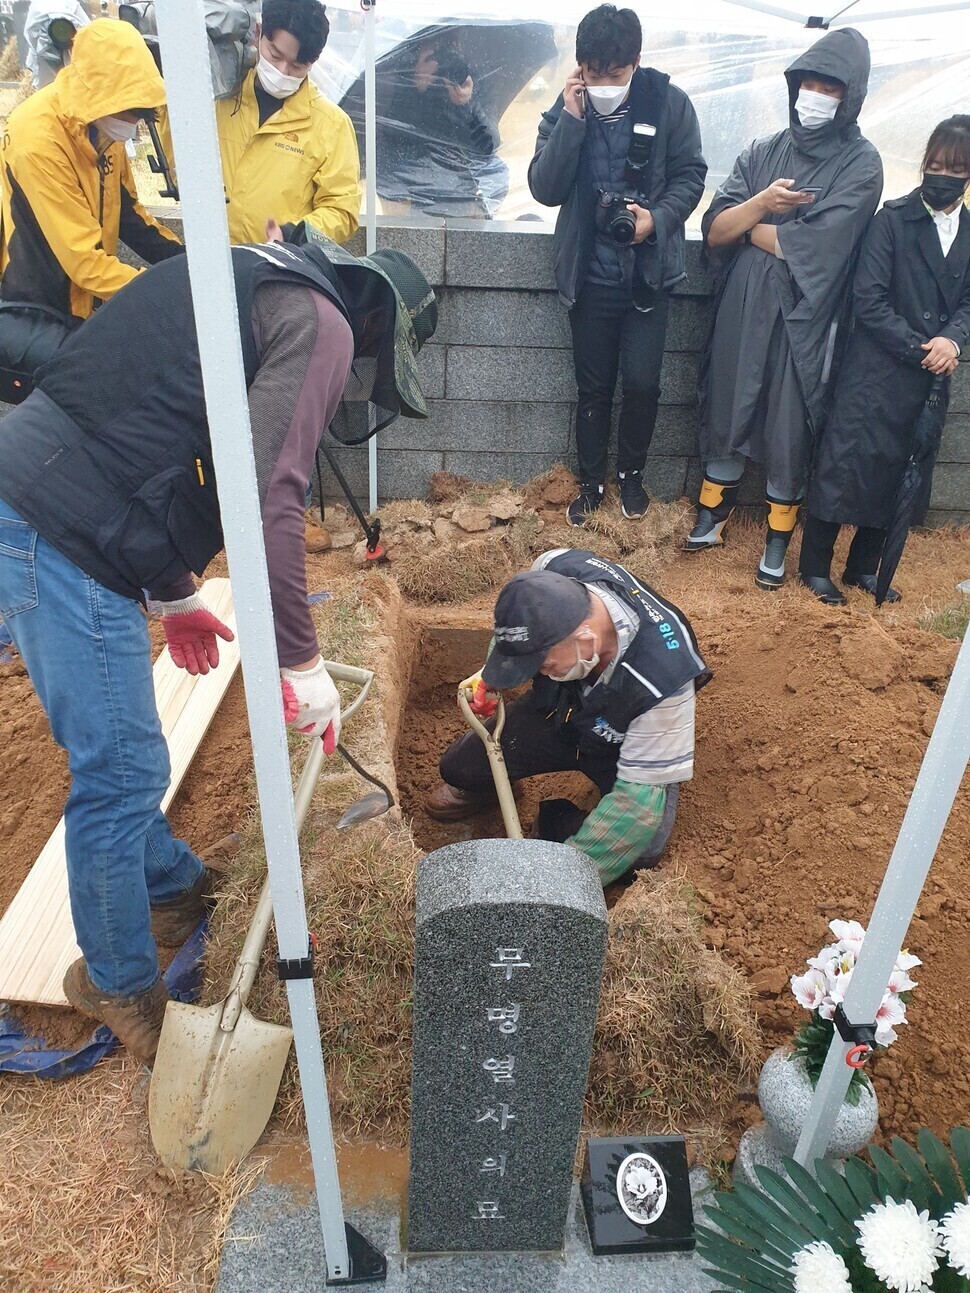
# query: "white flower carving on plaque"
641,1188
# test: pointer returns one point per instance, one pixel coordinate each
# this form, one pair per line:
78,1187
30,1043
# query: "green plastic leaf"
893,1182
938,1160
731,1259
835,1187
763,1211
795,1204
735,1221
861,1180
922,1189
960,1144
773,1282
820,1201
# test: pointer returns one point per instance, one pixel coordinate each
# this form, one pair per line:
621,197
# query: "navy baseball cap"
534,611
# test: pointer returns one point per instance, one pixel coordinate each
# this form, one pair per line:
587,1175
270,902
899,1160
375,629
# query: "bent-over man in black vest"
615,668
107,488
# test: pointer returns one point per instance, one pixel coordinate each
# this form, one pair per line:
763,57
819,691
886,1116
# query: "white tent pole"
184,46
370,164
942,770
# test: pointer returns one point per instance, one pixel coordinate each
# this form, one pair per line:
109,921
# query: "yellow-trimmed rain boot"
782,517
714,506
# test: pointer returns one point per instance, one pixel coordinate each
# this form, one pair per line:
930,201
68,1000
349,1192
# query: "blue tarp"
22,1052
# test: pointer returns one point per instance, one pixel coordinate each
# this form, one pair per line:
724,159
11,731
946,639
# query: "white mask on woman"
275,82
814,109
607,98
582,668
117,129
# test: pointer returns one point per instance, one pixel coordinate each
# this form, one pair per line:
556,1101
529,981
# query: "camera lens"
623,227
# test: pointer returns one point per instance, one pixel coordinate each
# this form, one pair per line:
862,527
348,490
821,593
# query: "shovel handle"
496,759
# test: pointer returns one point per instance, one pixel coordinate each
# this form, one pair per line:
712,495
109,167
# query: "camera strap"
645,109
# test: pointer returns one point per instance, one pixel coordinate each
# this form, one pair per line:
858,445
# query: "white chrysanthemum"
900,1244
955,1229
818,1268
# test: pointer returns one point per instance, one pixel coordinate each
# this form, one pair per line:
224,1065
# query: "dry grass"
455,574
85,1205
411,511
951,622
10,69
676,1037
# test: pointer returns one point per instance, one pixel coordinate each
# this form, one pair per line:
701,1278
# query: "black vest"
109,459
662,658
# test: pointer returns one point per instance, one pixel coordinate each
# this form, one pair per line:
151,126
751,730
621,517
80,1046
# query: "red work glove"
311,704
191,631
481,701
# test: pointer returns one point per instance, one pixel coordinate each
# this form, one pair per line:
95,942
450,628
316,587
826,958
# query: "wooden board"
37,941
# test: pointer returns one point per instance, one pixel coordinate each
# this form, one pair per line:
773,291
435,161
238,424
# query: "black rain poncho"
763,378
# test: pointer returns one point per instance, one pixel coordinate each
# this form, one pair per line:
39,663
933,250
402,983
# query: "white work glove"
311,704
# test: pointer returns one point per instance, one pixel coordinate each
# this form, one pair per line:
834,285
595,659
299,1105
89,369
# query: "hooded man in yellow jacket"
288,153
68,192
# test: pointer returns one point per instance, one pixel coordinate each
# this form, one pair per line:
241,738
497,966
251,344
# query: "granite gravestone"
511,937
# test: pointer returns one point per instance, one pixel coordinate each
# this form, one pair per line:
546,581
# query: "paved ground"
274,1246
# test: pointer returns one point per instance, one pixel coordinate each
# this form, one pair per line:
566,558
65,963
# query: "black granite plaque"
511,936
636,1195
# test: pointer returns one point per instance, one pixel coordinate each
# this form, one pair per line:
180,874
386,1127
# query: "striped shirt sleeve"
658,748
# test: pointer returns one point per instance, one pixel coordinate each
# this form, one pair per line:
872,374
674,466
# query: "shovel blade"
372,805
212,1092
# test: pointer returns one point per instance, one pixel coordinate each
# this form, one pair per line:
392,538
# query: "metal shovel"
496,759
218,1068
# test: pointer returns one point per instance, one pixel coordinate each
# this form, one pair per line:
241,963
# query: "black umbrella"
926,442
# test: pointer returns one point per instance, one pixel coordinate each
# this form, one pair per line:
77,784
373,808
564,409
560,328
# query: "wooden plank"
37,941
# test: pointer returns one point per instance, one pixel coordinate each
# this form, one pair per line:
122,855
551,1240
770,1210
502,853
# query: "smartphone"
811,190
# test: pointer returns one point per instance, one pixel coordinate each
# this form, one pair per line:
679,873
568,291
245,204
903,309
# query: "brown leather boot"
173,922
136,1020
449,804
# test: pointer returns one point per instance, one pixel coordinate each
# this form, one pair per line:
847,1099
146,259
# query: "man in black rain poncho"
784,230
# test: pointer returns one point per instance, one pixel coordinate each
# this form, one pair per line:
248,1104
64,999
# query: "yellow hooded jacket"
67,200
301,164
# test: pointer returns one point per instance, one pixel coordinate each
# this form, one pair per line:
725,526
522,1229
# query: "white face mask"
607,98
814,109
275,82
120,131
582,668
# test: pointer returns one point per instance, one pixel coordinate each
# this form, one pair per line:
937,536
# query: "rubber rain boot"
782,517
715,504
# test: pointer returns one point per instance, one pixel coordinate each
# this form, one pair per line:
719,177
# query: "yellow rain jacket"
301,164
68,200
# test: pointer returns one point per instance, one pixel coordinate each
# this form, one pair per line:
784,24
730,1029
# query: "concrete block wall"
499,381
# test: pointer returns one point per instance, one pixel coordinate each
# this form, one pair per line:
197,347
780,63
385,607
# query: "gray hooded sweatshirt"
766,371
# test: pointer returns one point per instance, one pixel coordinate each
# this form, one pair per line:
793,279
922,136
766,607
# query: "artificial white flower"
899,981
849,933
900,1245
906,962
955,1229
892,1011
825,957
810,989
818,1268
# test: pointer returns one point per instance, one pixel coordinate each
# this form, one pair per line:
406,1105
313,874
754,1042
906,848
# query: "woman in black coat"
911,323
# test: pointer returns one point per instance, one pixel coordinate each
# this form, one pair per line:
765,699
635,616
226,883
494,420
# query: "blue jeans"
88,655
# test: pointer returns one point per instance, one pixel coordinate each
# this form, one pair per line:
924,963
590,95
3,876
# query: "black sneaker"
633,497
589,499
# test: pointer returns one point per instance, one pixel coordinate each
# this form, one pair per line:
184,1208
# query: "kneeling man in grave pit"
614,670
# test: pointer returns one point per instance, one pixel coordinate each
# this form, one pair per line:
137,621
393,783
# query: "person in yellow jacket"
68,192
288,153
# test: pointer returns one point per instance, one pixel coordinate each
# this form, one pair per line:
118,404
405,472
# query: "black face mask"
941,191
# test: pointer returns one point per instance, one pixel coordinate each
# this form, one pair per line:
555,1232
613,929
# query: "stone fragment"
504,507
472,519
317,538
343,538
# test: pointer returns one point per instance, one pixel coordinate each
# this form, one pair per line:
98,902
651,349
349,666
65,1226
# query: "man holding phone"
783,231
620,154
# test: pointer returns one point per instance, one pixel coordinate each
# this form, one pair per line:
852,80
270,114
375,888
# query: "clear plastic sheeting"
458,146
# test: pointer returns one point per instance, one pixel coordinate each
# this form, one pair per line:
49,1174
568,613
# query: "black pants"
531,745
610,336
818,545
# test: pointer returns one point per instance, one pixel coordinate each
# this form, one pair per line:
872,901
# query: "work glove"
191,631
311,704
481,701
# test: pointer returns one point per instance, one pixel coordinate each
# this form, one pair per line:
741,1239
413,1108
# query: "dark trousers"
818,545
531,745
610,336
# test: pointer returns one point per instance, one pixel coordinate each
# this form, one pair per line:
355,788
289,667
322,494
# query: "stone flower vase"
785,1094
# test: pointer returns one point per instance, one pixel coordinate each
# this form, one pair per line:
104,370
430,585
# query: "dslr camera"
612,213
452,67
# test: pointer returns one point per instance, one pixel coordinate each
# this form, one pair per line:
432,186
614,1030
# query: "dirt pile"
809,741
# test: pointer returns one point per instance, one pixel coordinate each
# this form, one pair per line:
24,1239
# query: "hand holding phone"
574,94
809,192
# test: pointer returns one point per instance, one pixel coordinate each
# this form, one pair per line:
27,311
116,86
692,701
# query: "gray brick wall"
499,382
